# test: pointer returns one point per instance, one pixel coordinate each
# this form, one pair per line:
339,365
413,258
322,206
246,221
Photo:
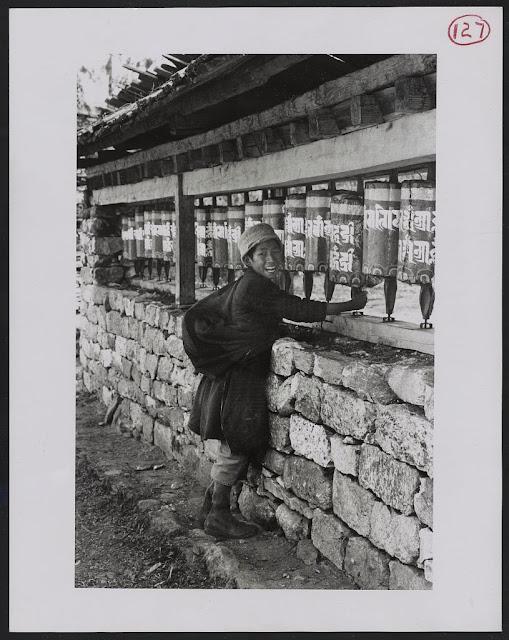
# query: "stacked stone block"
349,468
100,238
132,354
351,460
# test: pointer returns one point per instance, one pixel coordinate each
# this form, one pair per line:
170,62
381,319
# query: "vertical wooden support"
184,247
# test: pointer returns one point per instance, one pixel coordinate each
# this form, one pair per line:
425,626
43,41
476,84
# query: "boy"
228,337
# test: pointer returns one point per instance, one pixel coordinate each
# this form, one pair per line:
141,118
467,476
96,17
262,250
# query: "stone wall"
350,464
102,247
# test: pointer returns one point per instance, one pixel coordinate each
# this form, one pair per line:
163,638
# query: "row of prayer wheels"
148,239
355,239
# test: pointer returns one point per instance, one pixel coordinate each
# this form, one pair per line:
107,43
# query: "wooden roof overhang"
316,120
214,90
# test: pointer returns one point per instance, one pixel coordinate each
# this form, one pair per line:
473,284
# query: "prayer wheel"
147,239
139,241
235,221
253,212
123,235
157,240
203,233
347,217
416,257
295,231
273,214
168,248
381,235
219,242
317,236
345,261
131,242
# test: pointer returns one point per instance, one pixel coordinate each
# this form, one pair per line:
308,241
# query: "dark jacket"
228,337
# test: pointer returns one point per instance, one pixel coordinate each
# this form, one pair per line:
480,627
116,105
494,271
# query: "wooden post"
184,247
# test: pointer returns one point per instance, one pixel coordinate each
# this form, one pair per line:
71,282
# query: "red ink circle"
468,29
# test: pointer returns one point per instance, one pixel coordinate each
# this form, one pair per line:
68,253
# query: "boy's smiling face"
266,259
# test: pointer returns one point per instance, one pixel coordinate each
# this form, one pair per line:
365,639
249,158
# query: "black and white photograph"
270,253
256,284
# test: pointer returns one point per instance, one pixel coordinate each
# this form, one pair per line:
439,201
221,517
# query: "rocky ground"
136,524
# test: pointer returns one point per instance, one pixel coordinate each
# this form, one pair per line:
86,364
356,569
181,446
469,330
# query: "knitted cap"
254,235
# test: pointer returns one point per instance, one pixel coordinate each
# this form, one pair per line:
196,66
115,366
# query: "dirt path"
115,549
136,524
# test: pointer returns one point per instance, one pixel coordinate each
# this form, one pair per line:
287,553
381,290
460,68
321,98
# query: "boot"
220,523
205,507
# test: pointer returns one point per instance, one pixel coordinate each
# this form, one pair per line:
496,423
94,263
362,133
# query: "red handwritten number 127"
468,29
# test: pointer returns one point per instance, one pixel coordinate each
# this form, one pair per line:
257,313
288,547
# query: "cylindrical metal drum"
253,212
416,259
147,233
317,230
345,261
157,238
381,228
295,228
168,255
173,230
203,233
139,232
273,214
123,235
130,241
235,218
219,237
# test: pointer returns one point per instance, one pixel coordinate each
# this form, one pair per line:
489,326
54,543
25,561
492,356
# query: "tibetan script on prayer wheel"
203,233
219,237
253,212
345,257
295,232
130,241
381,229
273,214
235,218
168,229
157,238
123,235
416,258
317,230
147,233
139,232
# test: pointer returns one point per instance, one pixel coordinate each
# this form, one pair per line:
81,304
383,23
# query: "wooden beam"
252,145
411,95
251,71
254,73
375,77
228,151
184,247
406,141
322,124
152,189
401,335
272,141
364,110
299,132
156,110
